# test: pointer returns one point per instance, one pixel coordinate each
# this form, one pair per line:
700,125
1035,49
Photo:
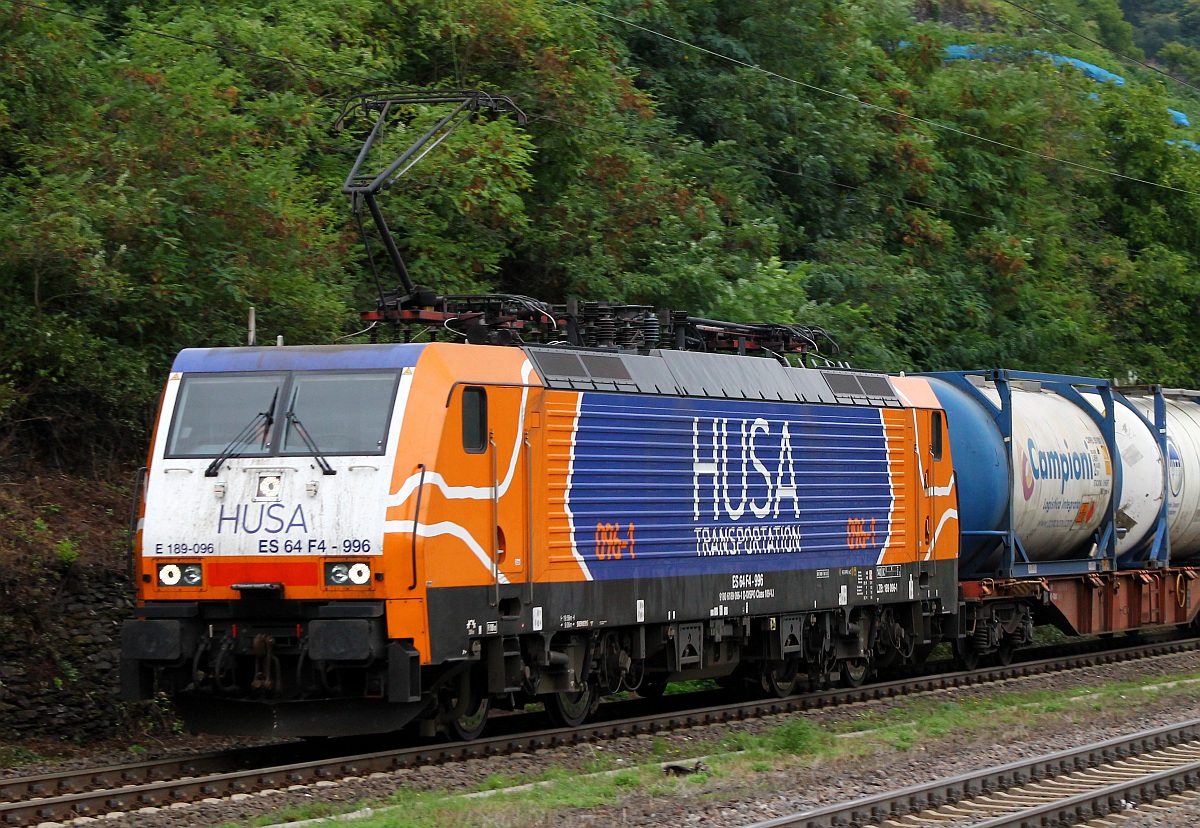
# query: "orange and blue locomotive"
351,538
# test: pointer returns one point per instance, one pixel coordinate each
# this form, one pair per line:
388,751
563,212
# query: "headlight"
268,487
347,574
180,575
337,574
169,574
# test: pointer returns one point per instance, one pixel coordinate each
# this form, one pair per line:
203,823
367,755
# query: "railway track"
62,796
1071,787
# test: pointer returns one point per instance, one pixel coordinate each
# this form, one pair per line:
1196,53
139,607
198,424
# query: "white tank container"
1183,467
1142,487
1062,479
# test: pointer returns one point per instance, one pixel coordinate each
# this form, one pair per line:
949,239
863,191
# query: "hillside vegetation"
163,167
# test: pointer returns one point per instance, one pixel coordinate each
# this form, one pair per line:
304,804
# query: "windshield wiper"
294,422
267,418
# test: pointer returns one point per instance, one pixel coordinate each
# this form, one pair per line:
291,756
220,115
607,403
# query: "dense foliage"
1168,30
165,167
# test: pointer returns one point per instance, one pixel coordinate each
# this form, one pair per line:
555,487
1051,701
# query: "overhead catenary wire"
758,165
868,105
316,72
1109,49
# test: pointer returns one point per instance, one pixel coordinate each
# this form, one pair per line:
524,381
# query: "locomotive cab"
260,571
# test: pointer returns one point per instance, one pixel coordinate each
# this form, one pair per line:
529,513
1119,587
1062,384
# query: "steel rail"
65,795
957,790
1100,803
16,788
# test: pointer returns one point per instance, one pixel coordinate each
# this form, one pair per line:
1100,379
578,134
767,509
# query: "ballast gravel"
772,789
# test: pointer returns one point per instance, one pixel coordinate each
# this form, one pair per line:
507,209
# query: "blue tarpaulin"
1089,70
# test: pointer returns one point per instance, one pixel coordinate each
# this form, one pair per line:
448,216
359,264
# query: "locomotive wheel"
469,725
887,658
779,678
854,672
568,709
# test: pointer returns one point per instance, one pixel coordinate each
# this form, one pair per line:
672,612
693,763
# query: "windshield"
212,411
345,413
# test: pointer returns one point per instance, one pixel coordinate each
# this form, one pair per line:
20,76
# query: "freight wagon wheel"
469,725
1004,654
854,672
570,709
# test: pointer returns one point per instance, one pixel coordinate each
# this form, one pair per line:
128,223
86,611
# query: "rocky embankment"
60,657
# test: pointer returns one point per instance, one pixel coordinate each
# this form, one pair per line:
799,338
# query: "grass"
801,737
740,760
693,686
14,756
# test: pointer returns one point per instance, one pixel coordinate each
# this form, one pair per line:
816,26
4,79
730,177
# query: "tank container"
1060,486
1183,472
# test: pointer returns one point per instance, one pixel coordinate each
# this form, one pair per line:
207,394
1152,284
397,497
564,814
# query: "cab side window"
935,436
474,420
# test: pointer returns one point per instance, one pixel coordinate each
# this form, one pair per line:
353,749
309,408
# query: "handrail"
417,524
495,518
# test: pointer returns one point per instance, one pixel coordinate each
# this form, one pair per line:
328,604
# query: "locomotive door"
532,452
512,422
488,484
937,476
929,437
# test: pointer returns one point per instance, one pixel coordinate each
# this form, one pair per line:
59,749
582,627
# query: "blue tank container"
1038,472
980,471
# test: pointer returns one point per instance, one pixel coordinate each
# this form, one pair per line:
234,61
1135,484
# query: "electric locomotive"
350,538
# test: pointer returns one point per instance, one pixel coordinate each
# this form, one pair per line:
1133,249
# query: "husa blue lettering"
269,519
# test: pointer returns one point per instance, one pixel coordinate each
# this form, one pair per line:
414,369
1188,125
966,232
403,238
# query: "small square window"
474,425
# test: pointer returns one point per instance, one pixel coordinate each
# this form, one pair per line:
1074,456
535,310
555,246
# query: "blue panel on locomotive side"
668,486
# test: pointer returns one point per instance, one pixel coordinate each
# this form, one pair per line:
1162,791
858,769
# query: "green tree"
1181,60
145,216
